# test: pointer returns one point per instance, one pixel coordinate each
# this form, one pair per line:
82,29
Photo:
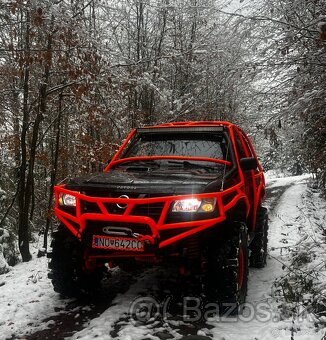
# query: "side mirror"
248,163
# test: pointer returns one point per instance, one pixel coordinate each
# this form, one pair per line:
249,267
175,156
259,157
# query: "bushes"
8,250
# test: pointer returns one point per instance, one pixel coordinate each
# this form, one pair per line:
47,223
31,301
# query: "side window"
247,146
239,145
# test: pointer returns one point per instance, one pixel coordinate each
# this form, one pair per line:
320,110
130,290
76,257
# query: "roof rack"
192,123
180,129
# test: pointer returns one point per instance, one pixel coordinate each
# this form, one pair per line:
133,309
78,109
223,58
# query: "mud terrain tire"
66,264
227,270
258,246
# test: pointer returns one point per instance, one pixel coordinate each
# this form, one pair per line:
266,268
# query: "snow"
4,268
9,255
273,181
27,297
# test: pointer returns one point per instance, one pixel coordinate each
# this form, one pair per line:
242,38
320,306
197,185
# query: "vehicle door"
244,151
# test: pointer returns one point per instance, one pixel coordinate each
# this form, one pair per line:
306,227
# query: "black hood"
168,181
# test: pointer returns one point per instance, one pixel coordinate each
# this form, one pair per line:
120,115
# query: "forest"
76,76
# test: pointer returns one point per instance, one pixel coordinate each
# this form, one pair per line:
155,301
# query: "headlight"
194,205
67,200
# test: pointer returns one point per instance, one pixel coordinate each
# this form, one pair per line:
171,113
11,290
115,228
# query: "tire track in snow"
78,312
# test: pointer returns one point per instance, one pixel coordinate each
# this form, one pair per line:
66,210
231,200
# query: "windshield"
187,145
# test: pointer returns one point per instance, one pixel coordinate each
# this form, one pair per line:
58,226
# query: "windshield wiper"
187,164
140,163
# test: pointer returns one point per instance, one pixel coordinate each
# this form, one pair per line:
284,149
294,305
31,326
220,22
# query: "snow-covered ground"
26,298
297,219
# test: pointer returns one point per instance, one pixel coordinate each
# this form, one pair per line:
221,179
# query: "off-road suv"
191,192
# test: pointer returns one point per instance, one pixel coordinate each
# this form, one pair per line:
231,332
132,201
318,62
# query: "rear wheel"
227,270
258,245
66,266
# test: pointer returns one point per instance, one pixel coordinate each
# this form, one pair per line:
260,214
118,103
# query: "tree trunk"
23,229
26,182
53,173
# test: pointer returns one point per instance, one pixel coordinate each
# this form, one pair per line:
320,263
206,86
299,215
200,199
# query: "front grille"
152,210
112,208
90,207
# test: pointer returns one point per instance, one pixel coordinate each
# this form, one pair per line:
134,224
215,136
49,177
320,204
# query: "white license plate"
117,243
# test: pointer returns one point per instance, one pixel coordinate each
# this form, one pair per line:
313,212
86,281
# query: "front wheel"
67,266
226,278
